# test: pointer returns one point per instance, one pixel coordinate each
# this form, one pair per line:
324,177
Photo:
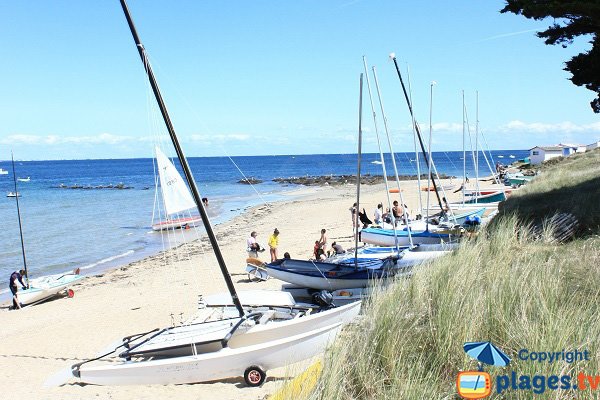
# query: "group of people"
320,251
254,248
397,214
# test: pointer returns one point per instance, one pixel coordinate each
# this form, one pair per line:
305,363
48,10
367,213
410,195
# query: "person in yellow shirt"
273,243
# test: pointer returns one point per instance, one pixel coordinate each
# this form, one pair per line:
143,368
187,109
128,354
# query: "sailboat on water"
44,288
246,335
176,197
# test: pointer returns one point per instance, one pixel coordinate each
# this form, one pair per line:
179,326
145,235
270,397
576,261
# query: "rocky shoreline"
366,179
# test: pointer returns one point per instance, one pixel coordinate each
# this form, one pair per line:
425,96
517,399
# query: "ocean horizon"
74,217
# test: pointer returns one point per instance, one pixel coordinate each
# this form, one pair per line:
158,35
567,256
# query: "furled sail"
176,194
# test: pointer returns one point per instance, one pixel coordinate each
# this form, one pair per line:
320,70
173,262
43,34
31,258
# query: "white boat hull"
225,363
45,288
175,223
179,341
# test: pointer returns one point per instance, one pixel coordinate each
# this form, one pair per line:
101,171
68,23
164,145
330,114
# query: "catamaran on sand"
235,337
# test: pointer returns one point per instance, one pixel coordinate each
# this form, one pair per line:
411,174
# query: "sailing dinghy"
175,195
44,288
237,340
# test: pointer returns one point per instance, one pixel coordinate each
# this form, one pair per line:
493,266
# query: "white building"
569,149
592,146
539,154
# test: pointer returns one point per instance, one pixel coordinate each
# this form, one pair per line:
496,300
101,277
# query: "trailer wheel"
254,376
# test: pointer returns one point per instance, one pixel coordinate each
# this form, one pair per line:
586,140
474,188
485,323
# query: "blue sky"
277,77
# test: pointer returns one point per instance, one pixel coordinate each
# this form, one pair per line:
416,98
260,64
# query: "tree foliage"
571,20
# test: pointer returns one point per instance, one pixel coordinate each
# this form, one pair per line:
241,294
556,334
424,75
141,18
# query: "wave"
107,260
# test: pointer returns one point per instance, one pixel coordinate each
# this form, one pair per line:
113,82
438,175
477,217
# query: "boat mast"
415,146
429,175
477,145
385,181
184,164
393,155
410,109
464,151
19,215
356,216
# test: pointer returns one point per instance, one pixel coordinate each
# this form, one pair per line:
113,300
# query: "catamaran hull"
225,363
184,340
46,288
383,237
176,223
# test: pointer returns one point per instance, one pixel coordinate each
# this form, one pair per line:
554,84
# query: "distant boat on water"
24,179
376,162
13,194
3,171
511,156
500,156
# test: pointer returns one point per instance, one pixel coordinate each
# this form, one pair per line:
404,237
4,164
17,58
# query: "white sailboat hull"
181,341
225,363
175,223
45,288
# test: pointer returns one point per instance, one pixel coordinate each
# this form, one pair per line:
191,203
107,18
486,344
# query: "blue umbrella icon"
487,353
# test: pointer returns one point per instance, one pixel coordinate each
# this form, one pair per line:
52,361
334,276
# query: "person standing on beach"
378,215
323,241
12,283
273,243
354,213
253,247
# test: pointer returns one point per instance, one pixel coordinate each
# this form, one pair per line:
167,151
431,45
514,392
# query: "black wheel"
254,376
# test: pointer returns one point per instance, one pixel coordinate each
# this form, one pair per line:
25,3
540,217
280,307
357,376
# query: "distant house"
592,146
539,154
569,149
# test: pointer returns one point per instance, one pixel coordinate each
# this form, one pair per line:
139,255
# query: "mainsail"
176,195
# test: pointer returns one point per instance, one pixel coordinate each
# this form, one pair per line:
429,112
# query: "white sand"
38,342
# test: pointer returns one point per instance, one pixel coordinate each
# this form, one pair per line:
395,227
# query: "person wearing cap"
273,243
12,283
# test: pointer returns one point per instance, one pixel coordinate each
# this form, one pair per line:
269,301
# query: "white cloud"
540,127
36,140
241,137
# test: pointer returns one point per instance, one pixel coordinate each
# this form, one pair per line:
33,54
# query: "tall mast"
387,133
385,181
423,151
477,144
19,215
356,216
464,151
184,164
415,146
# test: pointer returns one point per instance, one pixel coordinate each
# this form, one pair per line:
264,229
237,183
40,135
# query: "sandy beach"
38,342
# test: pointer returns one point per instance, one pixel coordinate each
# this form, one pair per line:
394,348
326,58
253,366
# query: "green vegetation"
502,287
571,185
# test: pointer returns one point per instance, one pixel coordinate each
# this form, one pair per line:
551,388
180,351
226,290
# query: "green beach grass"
501,287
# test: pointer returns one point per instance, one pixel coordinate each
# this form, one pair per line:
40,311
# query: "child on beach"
273,243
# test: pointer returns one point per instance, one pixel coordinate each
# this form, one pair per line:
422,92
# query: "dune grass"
501,287
571,185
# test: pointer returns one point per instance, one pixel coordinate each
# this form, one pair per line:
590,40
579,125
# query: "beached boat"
43,288
387,237
175,195
268,337
249,361
270,315
334,276
487,198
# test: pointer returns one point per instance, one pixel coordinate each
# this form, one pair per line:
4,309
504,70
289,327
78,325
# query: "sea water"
99,228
